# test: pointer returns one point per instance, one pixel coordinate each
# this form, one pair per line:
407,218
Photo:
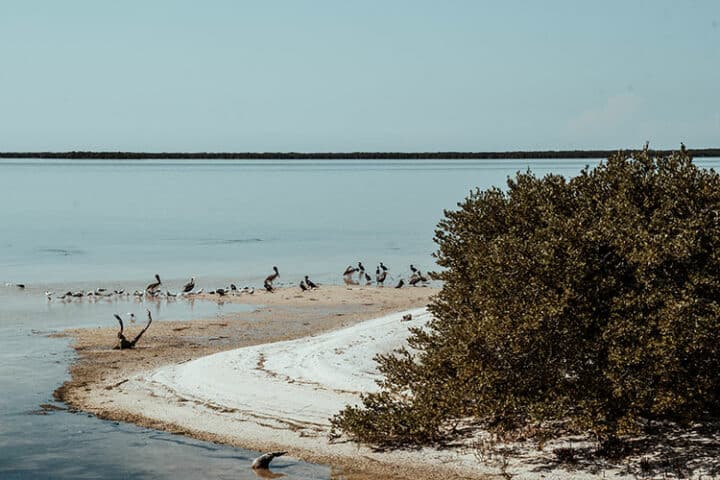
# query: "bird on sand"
310,283
380,276
271,278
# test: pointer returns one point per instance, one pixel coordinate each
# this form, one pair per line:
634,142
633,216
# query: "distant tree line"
535,154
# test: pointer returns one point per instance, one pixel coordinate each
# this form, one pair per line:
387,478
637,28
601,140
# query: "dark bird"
407,317
384,268
423,278
153,286
20,285
263,461
268,286
413,269
233,287
380,276
310,283
414,279
271,278
400,283
368,279
683,148
349,270
303,287
361,268
189,286
221,292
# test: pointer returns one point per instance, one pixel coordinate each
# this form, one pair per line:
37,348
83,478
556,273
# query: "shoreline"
101,377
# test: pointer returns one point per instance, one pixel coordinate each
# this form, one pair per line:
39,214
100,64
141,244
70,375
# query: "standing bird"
271,278
349,271
303,287
268,286
189,286
380,276
414,279
361,268
263,461
384,268
400,283
413,269
368,279
310,283
153,286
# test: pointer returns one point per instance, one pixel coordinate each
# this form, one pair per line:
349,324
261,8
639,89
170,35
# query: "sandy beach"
119,385
271,379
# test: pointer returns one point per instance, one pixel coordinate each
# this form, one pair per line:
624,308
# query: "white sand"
302,381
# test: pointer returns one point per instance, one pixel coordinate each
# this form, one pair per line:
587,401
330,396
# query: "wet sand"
97,378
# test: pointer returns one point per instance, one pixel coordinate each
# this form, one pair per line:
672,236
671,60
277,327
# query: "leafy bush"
592,301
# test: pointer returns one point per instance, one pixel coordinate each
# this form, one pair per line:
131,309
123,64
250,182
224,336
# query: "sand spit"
271,379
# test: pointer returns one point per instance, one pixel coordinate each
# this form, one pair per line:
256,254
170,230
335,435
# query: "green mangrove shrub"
593,301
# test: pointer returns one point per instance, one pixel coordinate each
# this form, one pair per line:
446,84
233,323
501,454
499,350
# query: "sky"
370,75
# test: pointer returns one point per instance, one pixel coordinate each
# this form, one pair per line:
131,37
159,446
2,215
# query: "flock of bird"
381,275
353,275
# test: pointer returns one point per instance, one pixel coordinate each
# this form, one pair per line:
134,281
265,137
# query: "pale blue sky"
365,75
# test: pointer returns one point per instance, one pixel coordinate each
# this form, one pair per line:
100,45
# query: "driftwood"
263,461
124,342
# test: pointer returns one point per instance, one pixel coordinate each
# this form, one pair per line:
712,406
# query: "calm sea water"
83,224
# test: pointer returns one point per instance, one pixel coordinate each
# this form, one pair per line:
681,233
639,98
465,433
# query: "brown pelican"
380,276
189,286
271,278
400,283
349,270
153,286
263,461
124,342
310,283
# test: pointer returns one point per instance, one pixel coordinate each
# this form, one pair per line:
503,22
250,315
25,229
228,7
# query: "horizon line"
510,154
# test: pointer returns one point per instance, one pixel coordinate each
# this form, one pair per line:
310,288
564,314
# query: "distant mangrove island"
534,154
